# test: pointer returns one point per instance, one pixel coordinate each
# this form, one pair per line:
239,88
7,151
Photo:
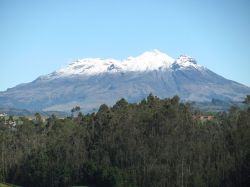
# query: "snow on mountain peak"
89,66
184,62
147,61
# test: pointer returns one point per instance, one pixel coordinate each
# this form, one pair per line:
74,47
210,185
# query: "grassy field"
12,185
8,185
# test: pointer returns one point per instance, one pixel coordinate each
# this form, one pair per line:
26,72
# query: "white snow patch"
186,62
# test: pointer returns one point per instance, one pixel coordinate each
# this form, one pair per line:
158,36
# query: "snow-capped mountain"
91,82
148,61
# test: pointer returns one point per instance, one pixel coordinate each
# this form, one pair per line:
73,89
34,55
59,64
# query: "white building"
3,114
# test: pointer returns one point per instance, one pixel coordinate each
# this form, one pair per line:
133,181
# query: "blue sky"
38,37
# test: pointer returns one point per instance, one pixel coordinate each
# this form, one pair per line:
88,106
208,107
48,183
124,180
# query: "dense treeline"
153,143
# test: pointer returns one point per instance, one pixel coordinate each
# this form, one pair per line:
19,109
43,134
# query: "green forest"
154,143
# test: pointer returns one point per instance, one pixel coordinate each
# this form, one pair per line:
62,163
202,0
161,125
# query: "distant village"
9,120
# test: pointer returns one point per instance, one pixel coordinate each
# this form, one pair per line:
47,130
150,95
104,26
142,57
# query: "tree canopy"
157,142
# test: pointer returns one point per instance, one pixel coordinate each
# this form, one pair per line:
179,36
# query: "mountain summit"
93,81
148,61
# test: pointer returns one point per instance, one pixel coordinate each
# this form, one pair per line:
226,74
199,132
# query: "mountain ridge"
147,61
